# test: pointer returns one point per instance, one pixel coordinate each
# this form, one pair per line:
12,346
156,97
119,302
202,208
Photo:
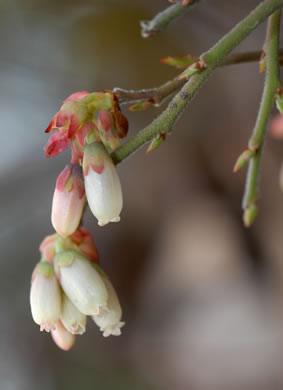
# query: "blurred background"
202,296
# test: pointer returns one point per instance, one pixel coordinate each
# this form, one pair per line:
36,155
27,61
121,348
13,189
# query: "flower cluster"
68,285
92,125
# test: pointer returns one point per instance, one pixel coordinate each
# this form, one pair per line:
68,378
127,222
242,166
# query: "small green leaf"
156,142
243,159
180,62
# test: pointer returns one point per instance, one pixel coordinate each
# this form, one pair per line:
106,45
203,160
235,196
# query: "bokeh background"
202,296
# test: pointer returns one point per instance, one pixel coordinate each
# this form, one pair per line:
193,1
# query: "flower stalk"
272,82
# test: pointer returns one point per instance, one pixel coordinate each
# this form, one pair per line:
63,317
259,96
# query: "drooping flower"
109,317
102,184
80,281
68,200
72,319
45,296
62,337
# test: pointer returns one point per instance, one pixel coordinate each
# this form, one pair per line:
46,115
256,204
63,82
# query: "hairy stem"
164,18
272,82
159,94
165,121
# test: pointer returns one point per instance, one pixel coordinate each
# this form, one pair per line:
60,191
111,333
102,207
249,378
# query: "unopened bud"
68,200
82,241
250,213
48,247
81,282
109,317
156,142
62,338
244,158
73,320
45,296
102,184
107,131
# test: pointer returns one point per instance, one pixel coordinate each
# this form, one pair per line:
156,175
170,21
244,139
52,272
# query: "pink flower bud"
102,184
109,317
72,319
62,338
47,247
107,131
81,282
68,200
45,297
82,241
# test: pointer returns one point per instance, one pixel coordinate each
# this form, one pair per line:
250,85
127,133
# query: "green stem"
164,18
165,121
272,82
159,94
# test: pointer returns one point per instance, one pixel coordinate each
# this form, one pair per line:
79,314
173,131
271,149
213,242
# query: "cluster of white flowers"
67,287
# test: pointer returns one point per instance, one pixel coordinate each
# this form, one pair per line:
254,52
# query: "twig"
165,121
164,18
159,94
272,82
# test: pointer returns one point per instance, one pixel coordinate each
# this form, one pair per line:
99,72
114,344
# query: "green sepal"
45,268
91,137
65,259
98,100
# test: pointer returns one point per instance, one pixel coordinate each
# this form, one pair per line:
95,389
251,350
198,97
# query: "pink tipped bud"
84,243
73,320
109,317
47,247
107,131
81,282
68,200
62,338
45,297
102,184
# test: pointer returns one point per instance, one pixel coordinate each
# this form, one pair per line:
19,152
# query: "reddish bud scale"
56,144
47,248
76,96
